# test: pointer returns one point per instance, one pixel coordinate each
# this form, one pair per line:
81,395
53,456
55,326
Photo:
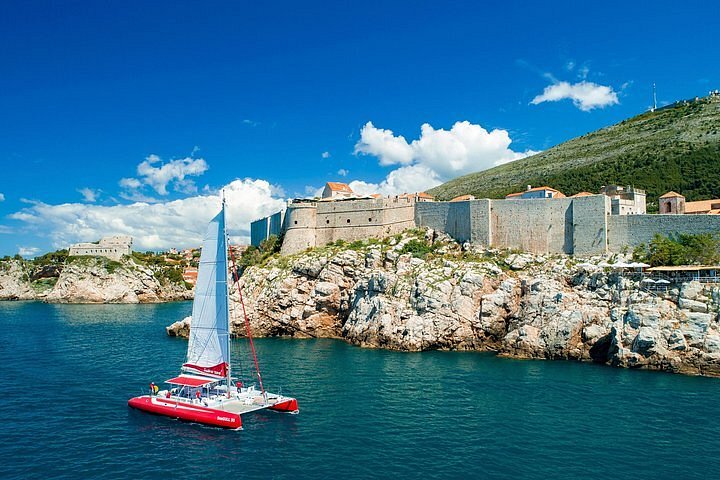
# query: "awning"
685,268
188,381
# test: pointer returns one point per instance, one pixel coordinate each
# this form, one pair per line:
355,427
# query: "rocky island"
421,290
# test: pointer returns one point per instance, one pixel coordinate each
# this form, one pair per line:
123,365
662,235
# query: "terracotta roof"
462,198
376,195
671,194
339,187
581,194
558,193
424,195
702,206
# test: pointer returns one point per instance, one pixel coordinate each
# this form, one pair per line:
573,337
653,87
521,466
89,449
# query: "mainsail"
208,345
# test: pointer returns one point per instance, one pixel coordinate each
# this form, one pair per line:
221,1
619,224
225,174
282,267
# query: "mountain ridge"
680,141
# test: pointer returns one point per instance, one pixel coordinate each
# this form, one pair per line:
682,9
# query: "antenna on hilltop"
654,107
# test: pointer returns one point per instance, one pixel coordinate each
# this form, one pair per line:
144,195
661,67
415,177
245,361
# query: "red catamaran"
205,392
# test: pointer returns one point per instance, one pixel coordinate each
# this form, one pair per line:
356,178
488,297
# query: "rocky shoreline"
89,280
380,295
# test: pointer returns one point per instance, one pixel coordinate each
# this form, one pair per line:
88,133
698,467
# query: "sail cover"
208,344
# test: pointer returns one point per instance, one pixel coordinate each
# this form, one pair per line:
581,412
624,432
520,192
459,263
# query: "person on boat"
152,388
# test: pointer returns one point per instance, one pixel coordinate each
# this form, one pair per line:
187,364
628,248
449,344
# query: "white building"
625,200
337,190
110,247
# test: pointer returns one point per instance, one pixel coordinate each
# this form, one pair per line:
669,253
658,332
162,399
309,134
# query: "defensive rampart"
632,230
579,226
308,224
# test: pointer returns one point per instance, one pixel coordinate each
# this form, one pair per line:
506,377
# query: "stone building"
673,202
337,190
625,200
110,247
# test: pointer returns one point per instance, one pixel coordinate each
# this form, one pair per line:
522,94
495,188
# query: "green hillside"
674,148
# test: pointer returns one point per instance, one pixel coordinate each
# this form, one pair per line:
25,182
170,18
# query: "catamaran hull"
187,412
290,405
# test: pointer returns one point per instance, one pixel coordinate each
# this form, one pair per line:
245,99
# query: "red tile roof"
339,187
671,194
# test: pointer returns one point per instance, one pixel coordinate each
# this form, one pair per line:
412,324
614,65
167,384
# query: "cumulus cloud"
585,95
438,155
173,171
2,197
325,155
178,223
27,251
343,173
391,150
89,195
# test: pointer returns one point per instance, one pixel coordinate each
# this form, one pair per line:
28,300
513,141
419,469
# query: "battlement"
581,225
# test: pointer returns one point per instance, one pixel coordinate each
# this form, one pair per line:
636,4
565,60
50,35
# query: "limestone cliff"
374,295
89,280
15,282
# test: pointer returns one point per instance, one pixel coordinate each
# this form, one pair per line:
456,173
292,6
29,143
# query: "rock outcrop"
526,306
89,280
15,282
181,328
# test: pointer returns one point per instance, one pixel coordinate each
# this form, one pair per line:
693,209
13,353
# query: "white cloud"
435,157
89,195
325,155
178,223
130,183
391,150
173,171
2,197
585,95
343,173
27,251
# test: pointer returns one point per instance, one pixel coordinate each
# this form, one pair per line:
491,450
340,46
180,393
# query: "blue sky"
271,100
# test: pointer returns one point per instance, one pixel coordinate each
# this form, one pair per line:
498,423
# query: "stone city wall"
579,226
557,225
632,230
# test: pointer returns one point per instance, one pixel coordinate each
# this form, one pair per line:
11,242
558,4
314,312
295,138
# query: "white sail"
208,344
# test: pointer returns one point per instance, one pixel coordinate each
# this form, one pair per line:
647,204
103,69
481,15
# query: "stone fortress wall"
578,225
110,247
543,225
312,223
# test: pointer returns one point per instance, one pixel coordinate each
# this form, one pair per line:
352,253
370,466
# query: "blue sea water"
68,371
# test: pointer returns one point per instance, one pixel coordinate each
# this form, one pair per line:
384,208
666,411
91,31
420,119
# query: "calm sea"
68,371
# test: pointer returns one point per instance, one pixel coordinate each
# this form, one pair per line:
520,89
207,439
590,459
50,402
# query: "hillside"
674,148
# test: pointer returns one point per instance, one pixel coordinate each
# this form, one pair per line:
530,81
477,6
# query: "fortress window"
295,222
327,221
348,220
369,219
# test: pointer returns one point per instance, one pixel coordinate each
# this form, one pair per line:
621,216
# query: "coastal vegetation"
682,249
682,141
259,255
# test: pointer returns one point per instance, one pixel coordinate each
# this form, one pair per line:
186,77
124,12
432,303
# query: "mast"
227,294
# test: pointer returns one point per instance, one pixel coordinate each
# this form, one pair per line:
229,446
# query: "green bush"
418,248
682,249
